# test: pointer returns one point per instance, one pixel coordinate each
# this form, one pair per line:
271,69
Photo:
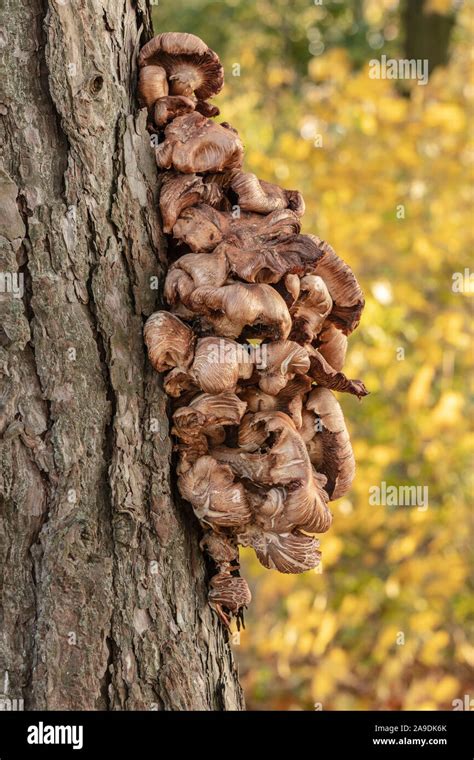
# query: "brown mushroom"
169,341
280,462
311,309
286,552
195,144
170,107
202,228
201,424
347,296
301,247
231,308
289,400
179,191
191,67
177,381
216,499
229,595
192,271
329,446
291,288
263,197
261,451
152,85
282,361
219,363
326,376
332,345
306,506
260,263
221,548
272,453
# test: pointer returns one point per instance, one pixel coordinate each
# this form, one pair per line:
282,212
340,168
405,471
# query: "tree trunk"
104,584
427,35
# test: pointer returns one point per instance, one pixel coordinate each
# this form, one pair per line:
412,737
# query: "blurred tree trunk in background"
103,582
427,35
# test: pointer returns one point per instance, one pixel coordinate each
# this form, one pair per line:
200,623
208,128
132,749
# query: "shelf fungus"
253,337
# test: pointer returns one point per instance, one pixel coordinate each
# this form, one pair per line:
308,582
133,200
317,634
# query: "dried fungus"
255,339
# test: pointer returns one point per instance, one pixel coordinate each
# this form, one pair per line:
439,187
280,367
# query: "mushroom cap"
299,246
177,381
170,107
205,417
271,452
283,360
169,341
326,376
311,309
292,288
332,345
346,293
289,400
222,548
306,506
152,85
229,591
334,456
216,499
196,144
219,363
201,227
261,262
188,62
262,197
191,271
231,308
180,191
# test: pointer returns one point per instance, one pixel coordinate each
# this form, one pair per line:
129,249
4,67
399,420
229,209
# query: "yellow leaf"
420,387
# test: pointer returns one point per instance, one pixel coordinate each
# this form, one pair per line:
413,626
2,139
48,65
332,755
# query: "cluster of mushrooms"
254,342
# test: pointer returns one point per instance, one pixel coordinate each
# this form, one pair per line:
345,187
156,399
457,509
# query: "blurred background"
385,167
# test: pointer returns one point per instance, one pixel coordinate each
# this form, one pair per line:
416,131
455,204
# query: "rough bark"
103,582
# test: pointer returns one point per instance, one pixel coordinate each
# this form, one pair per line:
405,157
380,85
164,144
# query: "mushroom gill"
286,552
191,67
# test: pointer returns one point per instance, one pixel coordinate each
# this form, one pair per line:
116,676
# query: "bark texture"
103,583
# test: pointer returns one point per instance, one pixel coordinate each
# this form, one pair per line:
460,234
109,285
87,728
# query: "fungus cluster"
254,342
